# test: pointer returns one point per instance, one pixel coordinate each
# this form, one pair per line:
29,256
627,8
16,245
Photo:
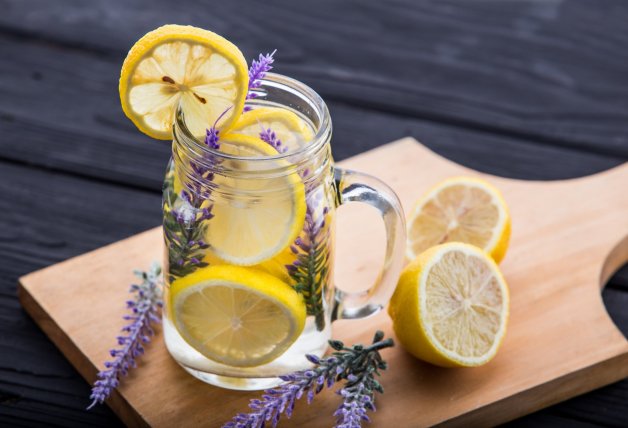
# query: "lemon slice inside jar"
256,216
237,316
290,129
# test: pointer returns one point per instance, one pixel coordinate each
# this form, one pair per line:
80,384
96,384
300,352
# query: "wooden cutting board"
568,238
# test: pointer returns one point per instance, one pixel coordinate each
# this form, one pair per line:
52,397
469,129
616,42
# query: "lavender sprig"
184,230
145,307
268,135
310,270
357,398
358,365
184,216
258,71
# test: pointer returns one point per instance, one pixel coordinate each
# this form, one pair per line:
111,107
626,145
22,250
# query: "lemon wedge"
254,218
293,131
178,65
451,306
460,209
237,316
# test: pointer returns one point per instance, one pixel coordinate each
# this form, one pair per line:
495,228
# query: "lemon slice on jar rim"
182,65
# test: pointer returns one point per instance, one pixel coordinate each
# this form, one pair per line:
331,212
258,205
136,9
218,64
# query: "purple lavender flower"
357,400
185,214
310,270
258,71
211,137
269,136
145,308
358,365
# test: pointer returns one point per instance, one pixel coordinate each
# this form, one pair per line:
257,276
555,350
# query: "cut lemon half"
256,216
178,65
236,316
291,130
460,209
451,306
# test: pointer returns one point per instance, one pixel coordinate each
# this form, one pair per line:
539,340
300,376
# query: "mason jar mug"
249,232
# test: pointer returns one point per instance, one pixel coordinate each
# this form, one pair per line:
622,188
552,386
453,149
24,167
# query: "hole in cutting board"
360,247
614,281
615,297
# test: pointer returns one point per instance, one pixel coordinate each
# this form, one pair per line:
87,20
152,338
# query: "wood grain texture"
561,240
93,138
534,90
445,61
38,387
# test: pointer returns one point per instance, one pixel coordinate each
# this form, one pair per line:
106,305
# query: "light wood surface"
568,237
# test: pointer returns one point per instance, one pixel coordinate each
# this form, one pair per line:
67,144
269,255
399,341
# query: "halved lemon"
182,65
460,209
451,306
292,130
255,218
236,316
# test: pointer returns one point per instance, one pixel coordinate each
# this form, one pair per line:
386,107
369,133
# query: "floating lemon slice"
275,266
460,209
255,218
237,316
293,131
182,65
451,306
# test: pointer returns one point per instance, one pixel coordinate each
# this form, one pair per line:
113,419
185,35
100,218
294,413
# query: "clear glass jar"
232,212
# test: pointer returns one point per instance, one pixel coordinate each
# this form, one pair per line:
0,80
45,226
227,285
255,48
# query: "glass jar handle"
355,186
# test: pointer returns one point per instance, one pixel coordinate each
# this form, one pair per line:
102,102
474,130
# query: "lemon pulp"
237,316
451,306
461,209
178,65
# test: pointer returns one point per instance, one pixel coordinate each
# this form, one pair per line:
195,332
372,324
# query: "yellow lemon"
290,129
275,266
237,316
255,219
178,65
460,209
451,306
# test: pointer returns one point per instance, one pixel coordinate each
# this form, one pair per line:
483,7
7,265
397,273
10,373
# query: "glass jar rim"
279,81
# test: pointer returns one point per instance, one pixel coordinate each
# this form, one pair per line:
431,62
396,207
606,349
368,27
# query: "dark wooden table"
525,89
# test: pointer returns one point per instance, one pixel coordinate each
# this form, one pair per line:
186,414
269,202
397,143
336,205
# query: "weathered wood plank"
90,136
47,217
545,71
